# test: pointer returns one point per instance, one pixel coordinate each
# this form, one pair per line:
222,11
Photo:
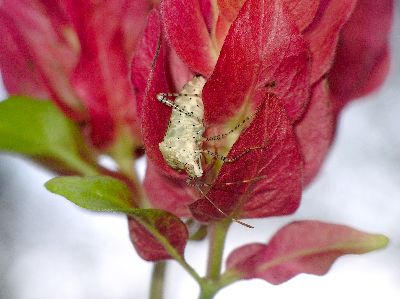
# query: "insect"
182,146
182,143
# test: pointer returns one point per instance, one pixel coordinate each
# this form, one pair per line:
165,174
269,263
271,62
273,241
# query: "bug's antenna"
222,212
153,63
157,52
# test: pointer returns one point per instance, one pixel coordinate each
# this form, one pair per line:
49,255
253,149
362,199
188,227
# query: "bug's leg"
164,99
214,154
246,151
222,212
239,182
225,159
239,125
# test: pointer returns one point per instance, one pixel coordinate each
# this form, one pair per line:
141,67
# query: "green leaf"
38,129
156,234
97,193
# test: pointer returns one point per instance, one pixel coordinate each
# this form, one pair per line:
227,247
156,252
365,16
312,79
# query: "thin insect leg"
222,212
162,97
166,95
214,154
231,160
239,182
240,124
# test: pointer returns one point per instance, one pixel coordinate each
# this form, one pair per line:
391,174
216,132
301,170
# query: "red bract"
168,193
192,43
100,78
77,54
143,61
362,56
153,131
273,162
264,64
38,52
246,75
263,51
350,44
323,33
316,130
149,247
301,247
269,51
302,11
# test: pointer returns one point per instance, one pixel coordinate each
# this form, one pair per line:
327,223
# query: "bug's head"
160,97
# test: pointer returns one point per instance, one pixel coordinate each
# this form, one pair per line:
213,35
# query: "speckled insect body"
182,143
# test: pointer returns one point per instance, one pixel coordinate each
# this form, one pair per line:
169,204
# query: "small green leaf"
156,234
98,193
38,129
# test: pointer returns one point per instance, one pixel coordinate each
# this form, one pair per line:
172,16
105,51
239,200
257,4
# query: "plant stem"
216,249
207,292
78,164
123,154
157,280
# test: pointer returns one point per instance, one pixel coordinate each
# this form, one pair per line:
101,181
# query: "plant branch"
216,249
158,280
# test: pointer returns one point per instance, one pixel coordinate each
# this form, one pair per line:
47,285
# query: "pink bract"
77,54
301,247
362,57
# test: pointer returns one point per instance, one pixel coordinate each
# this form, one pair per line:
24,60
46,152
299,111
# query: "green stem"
123,154
216,249
157,280
207,292
78,164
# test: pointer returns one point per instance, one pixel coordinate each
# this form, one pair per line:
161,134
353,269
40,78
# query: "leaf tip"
51,185
378,241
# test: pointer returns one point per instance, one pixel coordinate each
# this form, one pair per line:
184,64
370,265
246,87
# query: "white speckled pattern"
181,147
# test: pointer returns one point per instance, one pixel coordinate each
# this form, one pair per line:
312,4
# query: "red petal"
39,43
191,41
229,9
176,71
148,247
134,18
206,8
166,193
263,49
303,11
301,247
144,56
101,76
276,168
323,34
20,74
316,130
362,58
155,115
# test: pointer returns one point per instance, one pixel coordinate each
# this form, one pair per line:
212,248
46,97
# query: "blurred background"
50,248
